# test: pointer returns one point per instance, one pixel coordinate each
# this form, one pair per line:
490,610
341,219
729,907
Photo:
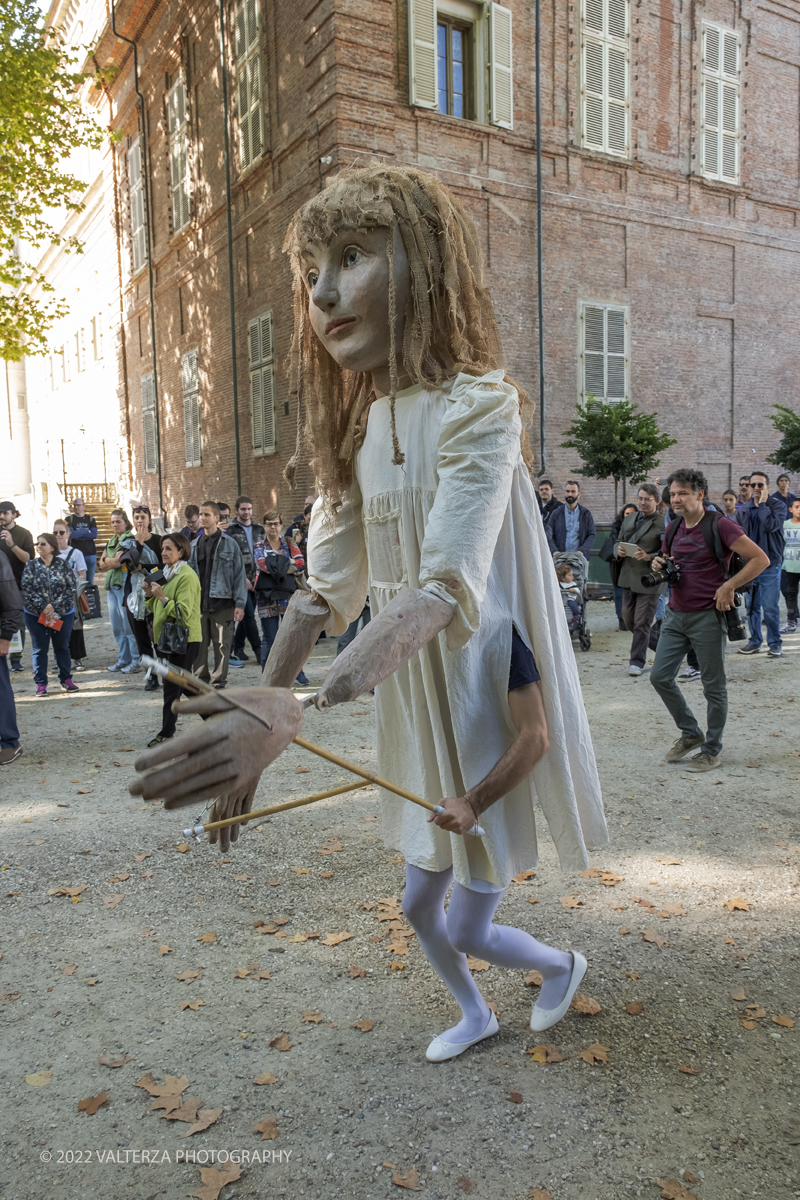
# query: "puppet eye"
352,257
311,279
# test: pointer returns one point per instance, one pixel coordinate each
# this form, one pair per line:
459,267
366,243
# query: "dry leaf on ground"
594,1053
189,975
570,901
333,939
357,972
327,875
142,857
675,909
650,935
162,950
524,876
585,1005
68,969
755,1012
514,1097
397,966
268,1128
300,870
749,1024
477,964
207,937
214,1181
667,861
736,903
546,1054
302,770
591,873
206,1117
635,1008
184,846
93,980
68,891
91,1104
409,1179
632,975
466,1184
281,1042
185,1111
39,1078
172,1086
312,1016
260,974
685,1070
783,1020
193,1004
265,1077
738,994
332,846
112,901
112,1062
533,979
673,1189
539,1194
242,973
364,1025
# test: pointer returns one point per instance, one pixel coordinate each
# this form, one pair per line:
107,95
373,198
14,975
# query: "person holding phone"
279,561
639,540
48,597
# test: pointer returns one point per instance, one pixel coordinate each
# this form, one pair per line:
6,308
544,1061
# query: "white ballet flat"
440,1051
543,1018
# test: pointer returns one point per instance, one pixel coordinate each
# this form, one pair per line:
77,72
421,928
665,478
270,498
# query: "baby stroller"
576,622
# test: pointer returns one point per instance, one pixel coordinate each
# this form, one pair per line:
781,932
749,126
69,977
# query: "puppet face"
348,291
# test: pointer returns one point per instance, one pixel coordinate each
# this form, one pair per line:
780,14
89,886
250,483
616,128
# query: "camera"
736,620
669,573
155,576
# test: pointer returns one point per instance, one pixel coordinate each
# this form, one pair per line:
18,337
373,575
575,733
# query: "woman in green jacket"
178,601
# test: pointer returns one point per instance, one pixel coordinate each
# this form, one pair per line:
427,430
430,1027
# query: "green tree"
616,441
788,453
42,120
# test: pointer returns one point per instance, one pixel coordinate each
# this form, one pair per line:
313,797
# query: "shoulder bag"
174,636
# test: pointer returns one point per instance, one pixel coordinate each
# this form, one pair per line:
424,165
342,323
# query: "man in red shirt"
695,613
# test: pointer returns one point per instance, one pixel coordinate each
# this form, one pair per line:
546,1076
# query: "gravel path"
688,1087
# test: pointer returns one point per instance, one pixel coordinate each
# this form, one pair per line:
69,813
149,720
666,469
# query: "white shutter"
501,67
254,91
245,154
138,214
190,385
604,353
149,430
178,129
262,384
719,104
605,76
422,53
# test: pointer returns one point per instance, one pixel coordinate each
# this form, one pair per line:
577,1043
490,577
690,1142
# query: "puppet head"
449,323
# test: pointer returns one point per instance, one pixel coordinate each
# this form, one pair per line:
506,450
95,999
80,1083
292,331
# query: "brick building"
671,189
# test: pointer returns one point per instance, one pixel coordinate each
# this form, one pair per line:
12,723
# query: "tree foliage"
42,121
616,441
787,454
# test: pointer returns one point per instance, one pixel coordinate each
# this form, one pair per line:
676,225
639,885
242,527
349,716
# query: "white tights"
467,928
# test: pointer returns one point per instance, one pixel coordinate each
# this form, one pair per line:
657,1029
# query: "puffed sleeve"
478,449
337,559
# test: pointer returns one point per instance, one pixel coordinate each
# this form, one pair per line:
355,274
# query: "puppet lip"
339,323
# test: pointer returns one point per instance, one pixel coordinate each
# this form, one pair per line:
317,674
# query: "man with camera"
703,610
639,540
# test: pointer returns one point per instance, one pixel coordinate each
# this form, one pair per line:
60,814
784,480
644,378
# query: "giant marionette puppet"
419,453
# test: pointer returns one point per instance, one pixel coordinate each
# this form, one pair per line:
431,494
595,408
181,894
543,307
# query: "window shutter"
245,155
177,127
604,353
605,85
251,9
268,409
149,430
136,195
502,82
254,89
262,384
265,337
190,385
240,33
257,412
719,135
422,53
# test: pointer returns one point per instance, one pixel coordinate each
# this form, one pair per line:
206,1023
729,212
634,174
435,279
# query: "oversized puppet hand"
398,631
223,758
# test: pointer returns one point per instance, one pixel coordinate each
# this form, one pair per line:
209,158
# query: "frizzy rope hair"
450,325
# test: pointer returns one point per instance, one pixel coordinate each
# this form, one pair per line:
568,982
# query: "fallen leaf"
142,857
533,979
736,902
749,1024
635,1008
687,1070
357,972
298,937
162,950
539,1194
268,1128
367,907
242,973
302,770
265,1077
91,1104
570,902
112,901
329,875
184,846
645,903
332,846
650,935
397,966
114,1063
192,1004
514,1097
312,1016
189,975
92,981
409,1179
477,964
118,878
738,994
546,1054
743,954
39,1078
673,1189
260,975
585,1005
594,1053
240,878
281,1042
68,969
467,1185
68,891
363,1025
755,1012
783,1020
207,937
689,1177
632,975
171,1087
205,1117
591,873
524,876
532,900
214,1181
364,819
673,909
667,861
333,939
624,931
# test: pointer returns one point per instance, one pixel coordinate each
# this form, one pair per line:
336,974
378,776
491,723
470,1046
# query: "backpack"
709,527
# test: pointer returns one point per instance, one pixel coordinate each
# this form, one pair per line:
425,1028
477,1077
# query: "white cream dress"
460,519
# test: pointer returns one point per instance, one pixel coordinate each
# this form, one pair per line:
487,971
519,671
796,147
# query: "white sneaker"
690,673
440,1051
632,670
543,1018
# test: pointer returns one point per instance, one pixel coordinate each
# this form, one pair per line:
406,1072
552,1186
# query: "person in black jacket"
10,622
547,500
83,530
571,526
762,520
